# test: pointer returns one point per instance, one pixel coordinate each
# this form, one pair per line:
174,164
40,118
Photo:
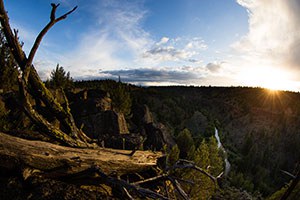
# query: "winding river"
227,163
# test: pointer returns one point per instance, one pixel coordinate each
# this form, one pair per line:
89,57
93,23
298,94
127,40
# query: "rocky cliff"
93,112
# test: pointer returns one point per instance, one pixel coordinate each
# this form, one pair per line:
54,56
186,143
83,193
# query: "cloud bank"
146,76
273,38
185,75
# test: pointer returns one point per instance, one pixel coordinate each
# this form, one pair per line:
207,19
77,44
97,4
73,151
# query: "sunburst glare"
267,77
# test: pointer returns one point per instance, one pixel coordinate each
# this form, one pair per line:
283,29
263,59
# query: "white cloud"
196,43
167,53
273,38
163,40
177,49
114,41
94,50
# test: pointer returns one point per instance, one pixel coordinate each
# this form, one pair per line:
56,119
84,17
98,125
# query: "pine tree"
216,161
59,78
121,99
120,96
202,155
173,155
184,141
203,187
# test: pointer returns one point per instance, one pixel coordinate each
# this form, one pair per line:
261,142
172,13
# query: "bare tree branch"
123,184
16,34
179,188
39,38
288,173
168,175
128,194
53,11
150,179
66,15
186,164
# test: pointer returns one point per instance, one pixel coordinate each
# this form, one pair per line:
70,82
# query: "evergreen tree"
202,155
173,155
191,153
185,142
203,187
121,100
120,96
59,78
216,161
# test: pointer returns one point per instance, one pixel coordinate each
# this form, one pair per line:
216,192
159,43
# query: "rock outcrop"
157,135
93,112
102,123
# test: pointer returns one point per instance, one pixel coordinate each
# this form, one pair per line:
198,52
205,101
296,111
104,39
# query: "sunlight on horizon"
269,78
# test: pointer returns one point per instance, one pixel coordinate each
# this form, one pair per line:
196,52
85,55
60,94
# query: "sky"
167,42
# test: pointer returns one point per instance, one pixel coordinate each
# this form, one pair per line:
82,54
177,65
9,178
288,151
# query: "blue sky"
168,42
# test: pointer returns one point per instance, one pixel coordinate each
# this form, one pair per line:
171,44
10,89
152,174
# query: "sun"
267,77
274,80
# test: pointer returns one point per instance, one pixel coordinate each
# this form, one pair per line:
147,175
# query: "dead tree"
30,84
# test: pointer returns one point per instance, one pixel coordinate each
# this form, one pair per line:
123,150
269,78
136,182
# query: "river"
227,163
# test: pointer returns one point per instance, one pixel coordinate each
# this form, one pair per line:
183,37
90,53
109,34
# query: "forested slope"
260,128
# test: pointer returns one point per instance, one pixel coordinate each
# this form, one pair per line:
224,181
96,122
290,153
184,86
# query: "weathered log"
58,161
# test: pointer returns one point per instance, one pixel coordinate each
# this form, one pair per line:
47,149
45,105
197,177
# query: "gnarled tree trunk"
29,78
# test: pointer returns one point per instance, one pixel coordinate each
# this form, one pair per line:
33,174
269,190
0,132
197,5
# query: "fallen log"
59,161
